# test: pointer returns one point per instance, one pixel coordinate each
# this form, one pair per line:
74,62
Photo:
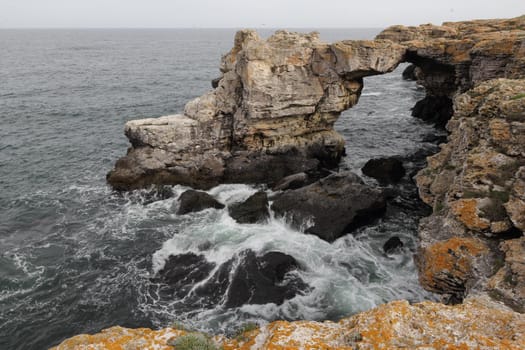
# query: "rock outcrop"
456,56
476,186
476,324
271,115
332,206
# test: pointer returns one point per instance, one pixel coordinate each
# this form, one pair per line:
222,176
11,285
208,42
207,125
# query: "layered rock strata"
474,240
456,56
271,115
477,324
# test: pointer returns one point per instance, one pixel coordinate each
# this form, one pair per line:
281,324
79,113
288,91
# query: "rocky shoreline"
271,116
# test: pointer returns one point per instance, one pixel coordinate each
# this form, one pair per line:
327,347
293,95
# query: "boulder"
251,279
252,210
332,206
392,244
181,272
193,201
384,170
409,73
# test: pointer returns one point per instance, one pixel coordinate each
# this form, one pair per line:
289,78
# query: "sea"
77,257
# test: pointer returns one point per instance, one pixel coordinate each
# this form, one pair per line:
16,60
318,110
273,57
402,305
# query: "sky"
246,13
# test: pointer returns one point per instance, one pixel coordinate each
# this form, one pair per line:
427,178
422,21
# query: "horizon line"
237,28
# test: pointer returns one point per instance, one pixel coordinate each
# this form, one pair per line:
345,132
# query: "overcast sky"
247,13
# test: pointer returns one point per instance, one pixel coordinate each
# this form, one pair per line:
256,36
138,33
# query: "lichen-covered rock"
476,187
476,324
456,56
271,114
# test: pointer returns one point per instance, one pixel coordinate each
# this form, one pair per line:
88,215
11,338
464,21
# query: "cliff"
473,242
272,114
478,323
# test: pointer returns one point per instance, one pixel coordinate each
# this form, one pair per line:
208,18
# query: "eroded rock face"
271,114
456,56
476,187
476,324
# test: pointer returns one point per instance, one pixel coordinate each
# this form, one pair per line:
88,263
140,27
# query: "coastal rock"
193,201
271,114
252,210
456,56
392,244
410,72
384,170
251,279
182,271
332,206
478,323
476,187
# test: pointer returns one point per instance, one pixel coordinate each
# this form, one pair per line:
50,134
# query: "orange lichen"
449,263
467,212
499,130
396,325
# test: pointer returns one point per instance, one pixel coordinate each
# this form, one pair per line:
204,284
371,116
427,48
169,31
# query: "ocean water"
76,257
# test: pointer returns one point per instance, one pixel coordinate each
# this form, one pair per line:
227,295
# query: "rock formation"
332,206
477,324
454,57
271,115
473,242
476,186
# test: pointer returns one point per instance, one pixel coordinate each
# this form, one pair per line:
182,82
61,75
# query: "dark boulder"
434,109
182,271
255,280
252,210
192,201
392,244
215,82
384,170
410,72
335,205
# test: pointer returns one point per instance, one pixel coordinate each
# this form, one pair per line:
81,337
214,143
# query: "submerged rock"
384,170
252,210
193,201
392,244
332,206
397,325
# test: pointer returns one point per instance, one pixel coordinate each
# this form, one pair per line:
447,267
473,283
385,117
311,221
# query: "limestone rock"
476,324
476,187
456,56
277,100
384,170
332,206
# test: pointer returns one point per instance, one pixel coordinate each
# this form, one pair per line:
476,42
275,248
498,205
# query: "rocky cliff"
473,242
477,324
271,115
